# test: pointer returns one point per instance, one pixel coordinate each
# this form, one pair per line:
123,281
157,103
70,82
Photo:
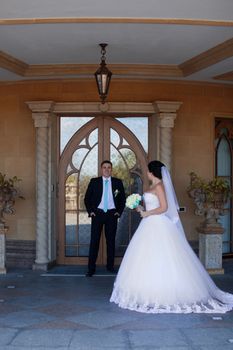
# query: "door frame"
104,122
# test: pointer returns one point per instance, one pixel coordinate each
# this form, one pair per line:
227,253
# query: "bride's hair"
155,167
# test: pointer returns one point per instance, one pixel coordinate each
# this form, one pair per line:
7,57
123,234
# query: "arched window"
223,168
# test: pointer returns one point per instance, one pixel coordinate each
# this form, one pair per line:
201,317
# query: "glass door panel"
126,167
84,163
81,159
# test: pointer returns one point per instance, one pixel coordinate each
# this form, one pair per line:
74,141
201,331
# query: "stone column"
166,114
41,112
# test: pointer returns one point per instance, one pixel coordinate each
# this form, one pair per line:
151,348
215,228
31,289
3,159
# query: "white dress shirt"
111,204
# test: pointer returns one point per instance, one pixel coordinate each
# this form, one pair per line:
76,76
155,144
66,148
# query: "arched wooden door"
101,138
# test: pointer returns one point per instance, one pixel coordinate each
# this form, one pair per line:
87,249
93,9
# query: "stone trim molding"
91,107
157,107
167,106
40,106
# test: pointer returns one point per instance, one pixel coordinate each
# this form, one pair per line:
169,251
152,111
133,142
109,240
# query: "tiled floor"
73,312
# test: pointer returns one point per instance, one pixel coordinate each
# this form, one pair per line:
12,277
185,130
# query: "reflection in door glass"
93,138
89,169
139,127
115,138
68,127
129,157
126,168
120,168
78,157
71,213
129,220
77,230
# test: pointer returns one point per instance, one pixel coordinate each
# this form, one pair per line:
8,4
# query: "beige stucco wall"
17,157
193,133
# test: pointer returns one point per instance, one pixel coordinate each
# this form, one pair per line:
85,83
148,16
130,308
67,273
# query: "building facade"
54,134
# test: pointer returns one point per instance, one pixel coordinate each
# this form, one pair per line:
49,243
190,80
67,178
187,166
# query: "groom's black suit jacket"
94,194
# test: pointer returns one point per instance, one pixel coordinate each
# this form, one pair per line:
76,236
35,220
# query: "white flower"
116,192
133,200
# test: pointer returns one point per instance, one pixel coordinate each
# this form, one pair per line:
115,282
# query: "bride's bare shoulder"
158,188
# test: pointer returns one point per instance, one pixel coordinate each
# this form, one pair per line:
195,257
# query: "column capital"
166,112
41,120
41,106
166,120
41,112
167,106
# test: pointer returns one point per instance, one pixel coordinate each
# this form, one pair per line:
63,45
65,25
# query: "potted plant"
210,198
9,192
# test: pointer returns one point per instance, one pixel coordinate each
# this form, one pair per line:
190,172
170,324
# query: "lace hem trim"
210,306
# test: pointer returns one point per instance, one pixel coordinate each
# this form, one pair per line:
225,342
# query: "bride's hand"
144,214
139,208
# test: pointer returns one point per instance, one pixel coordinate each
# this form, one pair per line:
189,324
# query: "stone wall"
20,254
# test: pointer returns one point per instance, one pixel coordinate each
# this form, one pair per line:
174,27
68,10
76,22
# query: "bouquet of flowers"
133,200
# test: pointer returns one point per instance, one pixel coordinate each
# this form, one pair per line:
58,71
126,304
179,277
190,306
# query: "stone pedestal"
3,231
210,248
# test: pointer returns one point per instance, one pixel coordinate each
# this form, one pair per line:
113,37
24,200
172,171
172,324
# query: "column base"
2,270
40,267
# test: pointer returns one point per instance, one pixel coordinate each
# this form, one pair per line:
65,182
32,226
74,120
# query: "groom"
105,202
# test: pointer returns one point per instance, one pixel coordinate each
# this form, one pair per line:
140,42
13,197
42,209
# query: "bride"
160,273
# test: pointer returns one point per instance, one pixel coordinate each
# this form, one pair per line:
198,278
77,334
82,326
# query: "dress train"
160,273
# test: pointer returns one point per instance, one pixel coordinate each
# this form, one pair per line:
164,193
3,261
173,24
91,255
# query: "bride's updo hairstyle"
155,167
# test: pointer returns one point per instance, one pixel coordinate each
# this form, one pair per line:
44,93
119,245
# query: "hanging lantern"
103,75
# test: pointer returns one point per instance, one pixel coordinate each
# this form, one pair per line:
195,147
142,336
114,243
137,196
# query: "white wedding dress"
160,273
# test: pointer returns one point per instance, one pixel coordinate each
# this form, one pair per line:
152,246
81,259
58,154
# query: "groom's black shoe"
90,273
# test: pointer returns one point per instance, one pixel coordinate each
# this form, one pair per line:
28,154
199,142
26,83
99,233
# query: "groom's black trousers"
109,221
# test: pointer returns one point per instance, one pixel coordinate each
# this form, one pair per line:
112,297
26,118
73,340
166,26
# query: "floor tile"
6,335
24,318
44,309
65,309
101,319
157,338
99,339
209,336
43,338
